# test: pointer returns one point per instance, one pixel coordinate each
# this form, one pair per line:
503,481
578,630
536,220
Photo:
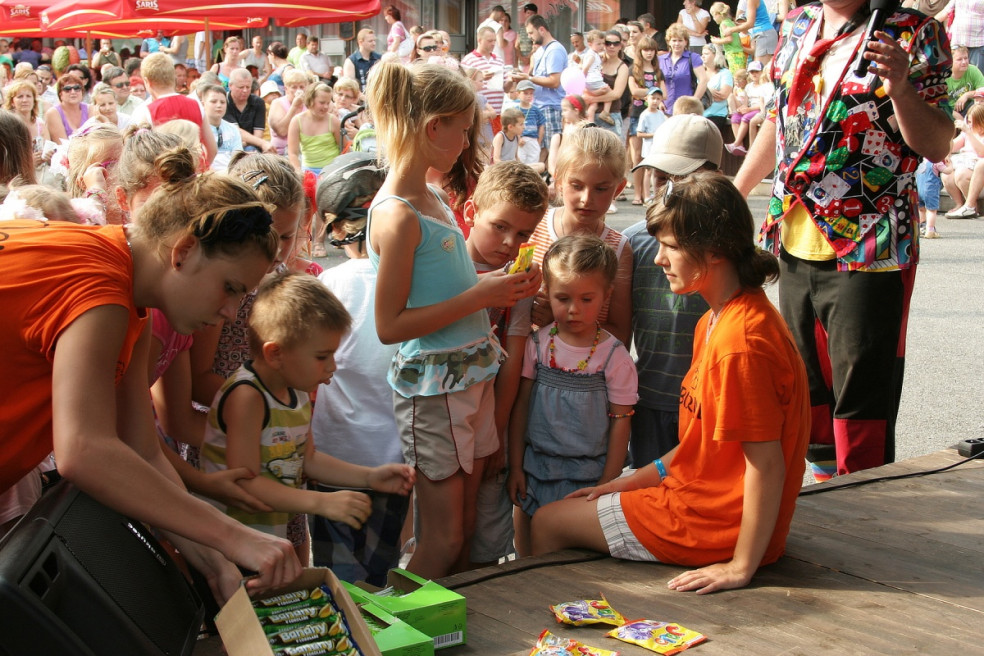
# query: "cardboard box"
424,605
242,634
396,638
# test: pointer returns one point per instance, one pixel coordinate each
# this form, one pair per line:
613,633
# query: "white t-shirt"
353,416
689,23
318,64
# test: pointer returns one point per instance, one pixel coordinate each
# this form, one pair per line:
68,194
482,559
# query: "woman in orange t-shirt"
76,343
723,499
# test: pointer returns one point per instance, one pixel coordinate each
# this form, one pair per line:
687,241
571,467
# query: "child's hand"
516,486
542,313
347,506
495,463
94,177
224,486
501,289
392,478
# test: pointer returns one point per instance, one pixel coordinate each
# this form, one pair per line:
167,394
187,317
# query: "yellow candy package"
524,260
589,611
551,645
660,637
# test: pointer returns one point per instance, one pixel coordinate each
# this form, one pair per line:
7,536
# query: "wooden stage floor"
886,568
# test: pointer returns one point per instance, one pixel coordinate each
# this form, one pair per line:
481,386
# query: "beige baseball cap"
682,144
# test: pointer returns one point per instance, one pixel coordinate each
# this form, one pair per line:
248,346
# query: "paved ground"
943,397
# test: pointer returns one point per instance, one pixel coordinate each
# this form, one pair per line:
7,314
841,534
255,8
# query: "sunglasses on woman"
71,88
613,44
428,48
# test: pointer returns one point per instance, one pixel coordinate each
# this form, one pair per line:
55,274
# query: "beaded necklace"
582,364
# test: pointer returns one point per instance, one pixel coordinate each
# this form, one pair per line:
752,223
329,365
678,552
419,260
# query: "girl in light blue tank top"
430,300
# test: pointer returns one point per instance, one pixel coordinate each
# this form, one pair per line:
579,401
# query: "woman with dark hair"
425,48
722,501
277,53
615,71
85,75
68,116
398,31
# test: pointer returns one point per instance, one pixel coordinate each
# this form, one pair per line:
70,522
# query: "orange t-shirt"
746,384
50,274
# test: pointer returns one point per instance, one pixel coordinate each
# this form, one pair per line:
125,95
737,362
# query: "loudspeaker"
77,578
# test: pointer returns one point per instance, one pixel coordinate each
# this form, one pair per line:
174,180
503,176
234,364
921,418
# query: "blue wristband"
660,467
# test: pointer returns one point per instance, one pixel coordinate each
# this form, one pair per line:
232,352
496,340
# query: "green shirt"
972,79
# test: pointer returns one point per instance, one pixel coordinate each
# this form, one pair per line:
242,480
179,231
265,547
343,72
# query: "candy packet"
589,611
549,644
305,623
524,260
660,637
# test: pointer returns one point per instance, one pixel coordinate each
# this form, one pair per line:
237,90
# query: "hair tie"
576,103
235,227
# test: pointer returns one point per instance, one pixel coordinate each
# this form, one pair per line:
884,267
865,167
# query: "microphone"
880,10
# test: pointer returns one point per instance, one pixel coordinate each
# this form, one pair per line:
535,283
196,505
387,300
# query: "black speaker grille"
132,568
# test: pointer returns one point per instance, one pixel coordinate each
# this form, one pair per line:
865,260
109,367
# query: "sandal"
637,201
621,197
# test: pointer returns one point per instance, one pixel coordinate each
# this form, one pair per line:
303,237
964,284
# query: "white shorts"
529,152
622,542
446,432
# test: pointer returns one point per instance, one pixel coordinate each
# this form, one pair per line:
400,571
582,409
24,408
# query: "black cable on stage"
588,557
897,477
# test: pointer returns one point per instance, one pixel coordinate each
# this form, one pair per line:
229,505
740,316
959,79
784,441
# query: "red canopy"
289,13
125,17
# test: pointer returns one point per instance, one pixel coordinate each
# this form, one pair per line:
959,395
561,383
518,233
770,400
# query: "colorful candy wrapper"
550,645
590,611
660,637
524,259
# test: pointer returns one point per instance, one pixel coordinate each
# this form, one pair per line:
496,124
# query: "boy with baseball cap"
663,322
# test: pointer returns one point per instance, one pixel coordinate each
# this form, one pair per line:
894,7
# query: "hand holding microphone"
880,11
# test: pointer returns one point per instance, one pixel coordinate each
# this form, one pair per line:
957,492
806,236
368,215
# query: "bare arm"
294,143
280,119
721,94
765,471
516,482
760,162
750,11
172,401
506,389
90,418
620,309
204,381
618,443
396,233
621,79
643,477
701,74
52,121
